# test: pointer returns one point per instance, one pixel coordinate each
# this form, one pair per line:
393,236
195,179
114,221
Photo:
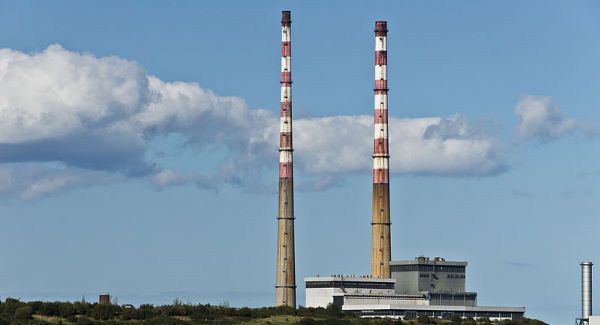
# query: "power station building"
423,286
399,289
444,280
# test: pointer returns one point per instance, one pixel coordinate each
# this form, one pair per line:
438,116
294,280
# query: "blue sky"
110,181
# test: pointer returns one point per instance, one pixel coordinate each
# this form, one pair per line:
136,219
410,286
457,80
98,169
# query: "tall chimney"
586,291
285,285
380,227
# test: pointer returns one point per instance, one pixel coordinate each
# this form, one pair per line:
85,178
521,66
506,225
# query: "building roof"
348,278
421,260
399,296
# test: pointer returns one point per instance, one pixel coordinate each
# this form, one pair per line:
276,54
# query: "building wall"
406,282
594,320
383,300
320,291
445,281
412,312
453,299
321,297
430,278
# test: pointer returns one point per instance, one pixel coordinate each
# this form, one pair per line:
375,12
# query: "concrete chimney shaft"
586,291
285,279
380,225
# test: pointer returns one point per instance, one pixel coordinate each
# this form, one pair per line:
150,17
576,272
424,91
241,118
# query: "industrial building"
593,320
398,289
433,287
443,280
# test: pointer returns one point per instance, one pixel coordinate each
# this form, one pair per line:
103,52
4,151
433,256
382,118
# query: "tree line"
16,312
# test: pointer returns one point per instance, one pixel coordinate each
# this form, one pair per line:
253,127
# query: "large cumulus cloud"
71,119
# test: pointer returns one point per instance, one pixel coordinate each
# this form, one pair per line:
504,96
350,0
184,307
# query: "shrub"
146,311
50,309
24,312
469,321
103,312
84,321
129,313
425,320
66,310
10,305
307,321
333,310
82,308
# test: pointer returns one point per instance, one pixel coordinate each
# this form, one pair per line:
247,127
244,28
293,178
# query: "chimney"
285,283
586,291
380,226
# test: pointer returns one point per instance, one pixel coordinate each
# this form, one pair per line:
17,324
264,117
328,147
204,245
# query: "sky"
138,146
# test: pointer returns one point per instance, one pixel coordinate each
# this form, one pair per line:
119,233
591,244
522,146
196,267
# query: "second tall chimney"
285,280
380,225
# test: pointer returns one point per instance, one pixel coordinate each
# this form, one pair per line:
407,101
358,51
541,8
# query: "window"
450,269
404,268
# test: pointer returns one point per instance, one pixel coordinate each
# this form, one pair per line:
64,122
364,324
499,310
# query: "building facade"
443,281
433,287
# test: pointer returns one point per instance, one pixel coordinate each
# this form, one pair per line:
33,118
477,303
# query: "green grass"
274,320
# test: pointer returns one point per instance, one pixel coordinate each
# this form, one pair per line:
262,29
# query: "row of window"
439,295
414,314
449,276
375,297
350,285
428,268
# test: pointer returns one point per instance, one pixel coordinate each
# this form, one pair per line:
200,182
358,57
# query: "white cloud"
168,177
335,144
56,93
439,146
443,146
539,119
71,119
27,180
